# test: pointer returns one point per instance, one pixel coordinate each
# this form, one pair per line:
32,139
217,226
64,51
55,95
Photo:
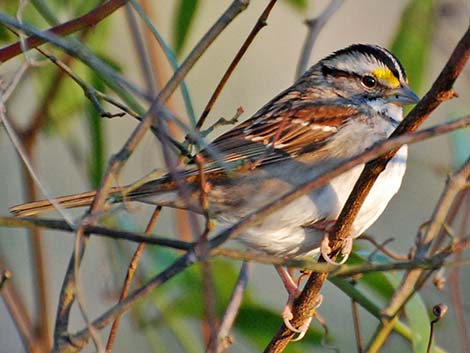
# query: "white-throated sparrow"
341,106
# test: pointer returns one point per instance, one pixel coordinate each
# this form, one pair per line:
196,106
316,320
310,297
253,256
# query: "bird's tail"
161,191
68,201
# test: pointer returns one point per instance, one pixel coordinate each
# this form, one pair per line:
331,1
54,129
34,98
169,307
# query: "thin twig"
439,311
315,25
27,163
90,92
14,82
19,315
58,224
414,279
79,250
90,19
130,274
118,161
357,326
260,23
231,311
208,290
455,278
146,70
382,247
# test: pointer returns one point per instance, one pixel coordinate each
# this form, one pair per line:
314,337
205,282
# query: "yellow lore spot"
385,75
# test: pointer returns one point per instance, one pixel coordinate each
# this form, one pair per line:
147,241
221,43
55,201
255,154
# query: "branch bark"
440,91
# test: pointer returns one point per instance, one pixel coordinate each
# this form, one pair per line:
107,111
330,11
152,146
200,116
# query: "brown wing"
281,131
287,127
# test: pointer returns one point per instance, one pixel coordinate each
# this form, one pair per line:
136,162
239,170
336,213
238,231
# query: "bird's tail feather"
68,201
157,192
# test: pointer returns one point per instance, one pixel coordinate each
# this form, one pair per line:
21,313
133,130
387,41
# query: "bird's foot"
293,292
346,249
287,317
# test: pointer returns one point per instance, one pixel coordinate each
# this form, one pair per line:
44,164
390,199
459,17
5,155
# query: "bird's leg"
304,327
293,292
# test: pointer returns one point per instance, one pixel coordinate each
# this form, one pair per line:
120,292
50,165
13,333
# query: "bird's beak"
403,95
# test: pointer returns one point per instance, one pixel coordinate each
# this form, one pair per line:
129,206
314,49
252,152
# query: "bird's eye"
369,81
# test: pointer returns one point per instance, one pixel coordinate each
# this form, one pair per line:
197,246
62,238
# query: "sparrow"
341,106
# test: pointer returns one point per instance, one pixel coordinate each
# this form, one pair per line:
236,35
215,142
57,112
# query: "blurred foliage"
97,161
413,39
384,285
182,297
179,302
186,11
417,315
298,4
184,16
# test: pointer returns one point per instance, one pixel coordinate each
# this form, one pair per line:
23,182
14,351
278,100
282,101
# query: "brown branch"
260,24
208,291
440,91
130,274
118,161
95,230
89,20
237,229
231,311
357,326
414,279
141,53
38,265
19,315
382,248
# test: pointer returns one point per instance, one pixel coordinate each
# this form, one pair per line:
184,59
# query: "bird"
344,104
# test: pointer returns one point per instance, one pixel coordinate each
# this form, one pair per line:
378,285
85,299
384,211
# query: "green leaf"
298,4
418,317
185,12
258,324
412,42
97,160
375,281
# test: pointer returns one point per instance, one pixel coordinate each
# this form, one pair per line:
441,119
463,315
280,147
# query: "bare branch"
260,23
231,311
90,19
315,25
439,92
130,274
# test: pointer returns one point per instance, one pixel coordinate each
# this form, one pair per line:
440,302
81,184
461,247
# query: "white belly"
282,233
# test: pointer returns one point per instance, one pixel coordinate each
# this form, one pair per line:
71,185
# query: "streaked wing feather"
294,129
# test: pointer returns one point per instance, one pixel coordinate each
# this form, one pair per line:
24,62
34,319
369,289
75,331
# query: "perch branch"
440,91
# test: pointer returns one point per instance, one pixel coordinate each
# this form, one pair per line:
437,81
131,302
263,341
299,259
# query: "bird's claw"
325,249
287,316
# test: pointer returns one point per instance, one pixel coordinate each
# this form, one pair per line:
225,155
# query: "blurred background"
73,146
